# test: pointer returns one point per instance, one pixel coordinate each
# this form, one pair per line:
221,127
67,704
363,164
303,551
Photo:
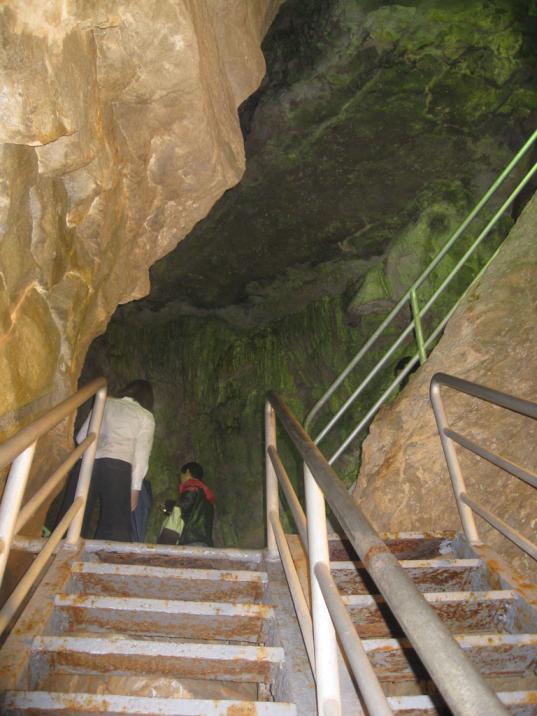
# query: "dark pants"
111,486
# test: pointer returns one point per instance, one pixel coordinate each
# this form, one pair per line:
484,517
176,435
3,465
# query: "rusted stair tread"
153,685
161,617
42,702
405,545
493,654
225,662
166,582
461,611
158,555
430,575
519,703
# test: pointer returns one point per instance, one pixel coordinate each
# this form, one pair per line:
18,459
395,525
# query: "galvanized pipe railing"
466,505
410,298
19,451
460,683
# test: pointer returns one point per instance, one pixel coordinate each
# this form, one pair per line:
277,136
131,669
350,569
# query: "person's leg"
114,486
91,500
68,493
69,498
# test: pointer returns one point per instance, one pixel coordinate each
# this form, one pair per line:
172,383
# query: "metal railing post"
418,327
11,501
86,469
9,609
273,503
324,637
457,480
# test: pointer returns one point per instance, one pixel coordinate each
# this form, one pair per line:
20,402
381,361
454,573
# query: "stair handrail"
458,680
19,451
449,438
417,312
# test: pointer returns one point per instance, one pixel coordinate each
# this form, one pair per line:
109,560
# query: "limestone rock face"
120,130
403,482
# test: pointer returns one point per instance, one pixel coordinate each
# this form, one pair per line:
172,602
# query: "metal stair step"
167,583
405,545
158,555
161,617
519,703
461,611
224,662
493,654
430,575
21,703
153,685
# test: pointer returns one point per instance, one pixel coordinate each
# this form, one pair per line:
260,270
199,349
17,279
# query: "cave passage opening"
377,127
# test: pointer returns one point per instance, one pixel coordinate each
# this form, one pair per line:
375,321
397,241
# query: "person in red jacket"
197,503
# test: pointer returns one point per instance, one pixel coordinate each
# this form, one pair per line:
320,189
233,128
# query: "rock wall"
403,482
119,131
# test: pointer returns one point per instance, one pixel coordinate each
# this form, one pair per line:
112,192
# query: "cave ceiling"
370,112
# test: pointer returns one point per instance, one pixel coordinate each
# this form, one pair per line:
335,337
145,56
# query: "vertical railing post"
324,637
272,497
11,501
418,326
86,468
454,468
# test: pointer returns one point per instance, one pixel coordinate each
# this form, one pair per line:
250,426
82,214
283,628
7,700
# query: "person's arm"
142,451
82,433
186,501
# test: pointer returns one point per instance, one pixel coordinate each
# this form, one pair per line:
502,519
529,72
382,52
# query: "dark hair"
194,468
140,391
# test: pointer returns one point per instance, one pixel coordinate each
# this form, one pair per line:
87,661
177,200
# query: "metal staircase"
491,611
426,624
136,629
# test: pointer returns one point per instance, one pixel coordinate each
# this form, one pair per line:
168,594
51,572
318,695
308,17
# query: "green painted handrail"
415,325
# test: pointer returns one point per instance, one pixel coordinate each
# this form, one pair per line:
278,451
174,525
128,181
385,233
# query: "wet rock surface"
119,130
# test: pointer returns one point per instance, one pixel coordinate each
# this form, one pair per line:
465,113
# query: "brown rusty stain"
190,626
184,666
178,561
180,589
471,615
244,709
372,552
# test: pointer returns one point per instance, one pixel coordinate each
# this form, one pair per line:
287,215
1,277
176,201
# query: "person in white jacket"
121,462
